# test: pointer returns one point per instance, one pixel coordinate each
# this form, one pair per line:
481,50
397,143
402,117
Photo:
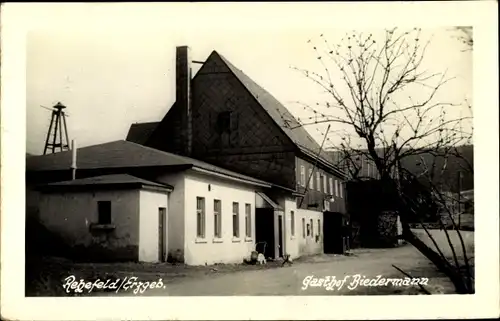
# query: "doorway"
162,217
280,235
334,236
264,231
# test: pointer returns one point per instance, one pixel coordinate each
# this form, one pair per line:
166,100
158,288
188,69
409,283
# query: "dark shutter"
234,137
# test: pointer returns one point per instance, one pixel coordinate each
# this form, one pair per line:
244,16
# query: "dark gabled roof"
283,118
279,113
121,180
276,110
125,154
140,132
117,154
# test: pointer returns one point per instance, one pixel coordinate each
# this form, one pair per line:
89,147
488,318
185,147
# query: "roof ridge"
69,151
261,87
157,150
147,122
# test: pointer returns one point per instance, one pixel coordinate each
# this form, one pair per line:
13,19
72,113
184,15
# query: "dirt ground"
272,279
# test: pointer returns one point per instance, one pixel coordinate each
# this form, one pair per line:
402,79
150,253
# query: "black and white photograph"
182,151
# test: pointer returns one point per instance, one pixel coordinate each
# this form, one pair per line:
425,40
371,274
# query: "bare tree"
388,108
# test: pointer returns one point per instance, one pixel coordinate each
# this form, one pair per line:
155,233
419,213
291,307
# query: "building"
242,173
130,201
223,117
356,165
110,216
206,213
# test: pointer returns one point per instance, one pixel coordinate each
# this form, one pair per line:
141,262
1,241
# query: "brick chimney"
183,96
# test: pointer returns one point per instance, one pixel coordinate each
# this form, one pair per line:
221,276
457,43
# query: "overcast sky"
110,78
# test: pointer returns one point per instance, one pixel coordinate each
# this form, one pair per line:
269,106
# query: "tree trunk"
437,260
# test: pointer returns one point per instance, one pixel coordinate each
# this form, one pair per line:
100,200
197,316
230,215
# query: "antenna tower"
57,137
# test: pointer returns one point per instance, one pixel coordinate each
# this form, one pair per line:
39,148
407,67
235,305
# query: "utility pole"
314,167
459,183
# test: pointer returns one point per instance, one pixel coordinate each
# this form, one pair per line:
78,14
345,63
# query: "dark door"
264,231
280,235
333,233
162,213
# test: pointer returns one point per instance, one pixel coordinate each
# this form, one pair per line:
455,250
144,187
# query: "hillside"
454,165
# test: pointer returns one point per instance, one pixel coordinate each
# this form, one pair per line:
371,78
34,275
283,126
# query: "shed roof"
114,180
269,201
108,179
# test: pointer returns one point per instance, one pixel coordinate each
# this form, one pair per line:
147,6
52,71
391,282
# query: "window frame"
302,175
201,218
217,219
236,219
248,220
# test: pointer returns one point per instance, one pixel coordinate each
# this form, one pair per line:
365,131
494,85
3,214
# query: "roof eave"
231,177
179,167
92,187
286,189
308,153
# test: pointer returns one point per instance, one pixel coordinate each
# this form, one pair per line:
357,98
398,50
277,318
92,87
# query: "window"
312,228
308,229
217,219
304,228
311,179
200,217
336,188
330,182
325,189
248,220
224,122
318,181
319,226
292,224
104,212
368,169
341,189
302,175
236,219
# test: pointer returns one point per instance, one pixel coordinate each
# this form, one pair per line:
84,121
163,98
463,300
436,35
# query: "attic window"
224,121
